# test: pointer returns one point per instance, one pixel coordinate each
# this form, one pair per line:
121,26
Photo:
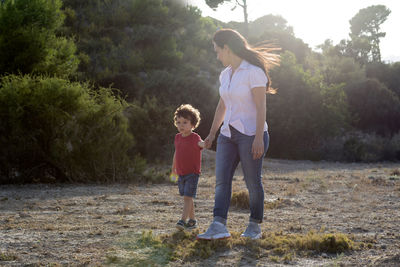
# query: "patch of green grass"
141,250
319,242
7,257
150,250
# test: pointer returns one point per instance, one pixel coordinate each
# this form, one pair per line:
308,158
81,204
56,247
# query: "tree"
365,32
388,74
336,68
304,111
28,39
153,49
276,30
242,3
376,108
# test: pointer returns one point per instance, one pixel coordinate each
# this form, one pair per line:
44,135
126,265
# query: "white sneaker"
253,231
216,230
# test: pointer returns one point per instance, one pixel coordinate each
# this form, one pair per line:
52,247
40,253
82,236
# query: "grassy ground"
316,214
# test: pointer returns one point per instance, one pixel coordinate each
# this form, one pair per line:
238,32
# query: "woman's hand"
209,140
258,148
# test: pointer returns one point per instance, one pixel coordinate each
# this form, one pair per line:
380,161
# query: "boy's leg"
191,213
190,190
187,208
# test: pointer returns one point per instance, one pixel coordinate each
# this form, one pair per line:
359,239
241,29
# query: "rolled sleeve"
257,78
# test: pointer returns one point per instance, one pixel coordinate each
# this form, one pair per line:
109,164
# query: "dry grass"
395,172
96,225
183,246
240,199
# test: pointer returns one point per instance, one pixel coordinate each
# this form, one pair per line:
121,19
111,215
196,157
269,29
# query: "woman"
244,134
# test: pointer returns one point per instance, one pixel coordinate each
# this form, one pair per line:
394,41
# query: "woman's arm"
218,119
261,107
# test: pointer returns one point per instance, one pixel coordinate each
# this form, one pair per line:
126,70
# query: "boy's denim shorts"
187,184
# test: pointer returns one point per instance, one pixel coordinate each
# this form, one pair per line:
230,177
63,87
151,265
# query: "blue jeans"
231,151
187,184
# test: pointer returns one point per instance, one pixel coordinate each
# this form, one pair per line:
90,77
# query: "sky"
314,21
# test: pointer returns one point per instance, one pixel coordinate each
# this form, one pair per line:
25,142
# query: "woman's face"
222,54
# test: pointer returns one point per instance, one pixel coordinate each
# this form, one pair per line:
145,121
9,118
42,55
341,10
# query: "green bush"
30,40
152,125
362,147
55,130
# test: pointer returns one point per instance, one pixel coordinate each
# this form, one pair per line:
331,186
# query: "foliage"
276,30
55,130
365,33
388,74
242,3
376,108
150,249
157,54
357,146
136,36
303,112
361,147
337,69
152,126
29,42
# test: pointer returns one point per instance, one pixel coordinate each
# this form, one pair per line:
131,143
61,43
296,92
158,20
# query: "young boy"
187,161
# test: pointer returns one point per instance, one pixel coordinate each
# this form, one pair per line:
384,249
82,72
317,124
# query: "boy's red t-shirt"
187,154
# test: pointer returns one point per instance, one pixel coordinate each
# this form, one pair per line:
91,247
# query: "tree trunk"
246,22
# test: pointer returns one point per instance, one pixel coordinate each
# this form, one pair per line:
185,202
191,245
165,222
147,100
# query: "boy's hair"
188,112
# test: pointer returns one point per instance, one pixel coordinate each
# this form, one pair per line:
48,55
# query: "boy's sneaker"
253,231
216,230
180,225
191,224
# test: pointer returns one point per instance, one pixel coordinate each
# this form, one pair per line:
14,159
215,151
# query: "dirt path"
82,224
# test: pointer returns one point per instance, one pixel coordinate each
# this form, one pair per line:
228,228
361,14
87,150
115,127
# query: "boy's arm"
173,171
201,143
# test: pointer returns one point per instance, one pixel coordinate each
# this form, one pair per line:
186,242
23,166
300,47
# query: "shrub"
361,147
151,123
59,130
240,199
30,40
369,147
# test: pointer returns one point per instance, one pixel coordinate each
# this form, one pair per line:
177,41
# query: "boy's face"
184,126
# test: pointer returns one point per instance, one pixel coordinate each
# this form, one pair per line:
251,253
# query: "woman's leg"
227,159
252,174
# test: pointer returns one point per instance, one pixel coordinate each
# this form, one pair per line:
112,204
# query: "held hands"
201,144
208,141
257,148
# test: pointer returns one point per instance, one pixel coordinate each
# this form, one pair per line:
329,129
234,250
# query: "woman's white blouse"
238,99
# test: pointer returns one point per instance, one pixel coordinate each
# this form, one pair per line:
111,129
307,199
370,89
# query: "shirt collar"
243,65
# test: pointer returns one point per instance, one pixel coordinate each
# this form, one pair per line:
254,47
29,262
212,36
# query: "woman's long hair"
259,56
